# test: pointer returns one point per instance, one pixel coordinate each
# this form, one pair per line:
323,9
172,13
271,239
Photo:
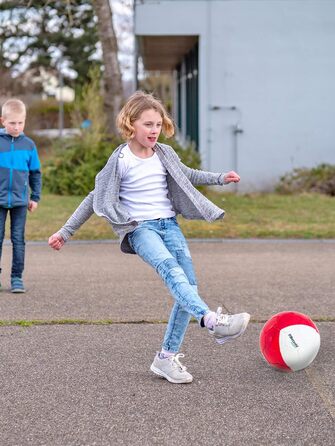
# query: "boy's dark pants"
18,217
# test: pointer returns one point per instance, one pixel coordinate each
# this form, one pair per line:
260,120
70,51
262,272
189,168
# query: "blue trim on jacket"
20,170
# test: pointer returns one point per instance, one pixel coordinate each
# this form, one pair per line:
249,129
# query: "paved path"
76,384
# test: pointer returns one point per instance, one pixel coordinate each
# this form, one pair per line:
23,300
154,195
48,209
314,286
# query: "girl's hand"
56,241
231,177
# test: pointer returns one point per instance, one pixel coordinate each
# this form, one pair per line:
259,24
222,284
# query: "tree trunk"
112,73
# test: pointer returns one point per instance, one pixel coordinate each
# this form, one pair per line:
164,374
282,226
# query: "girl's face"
147,129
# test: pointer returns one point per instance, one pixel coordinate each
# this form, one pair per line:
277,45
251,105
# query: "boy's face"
14,123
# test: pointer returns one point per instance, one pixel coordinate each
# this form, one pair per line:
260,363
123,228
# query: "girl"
140,191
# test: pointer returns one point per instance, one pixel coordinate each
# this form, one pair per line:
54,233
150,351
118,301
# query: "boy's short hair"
13,106
134,107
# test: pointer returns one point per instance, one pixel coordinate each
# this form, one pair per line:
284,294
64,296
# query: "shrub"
89,107
319,179
73,169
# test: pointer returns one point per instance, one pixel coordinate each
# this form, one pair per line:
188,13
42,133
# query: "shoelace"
222,319
175,359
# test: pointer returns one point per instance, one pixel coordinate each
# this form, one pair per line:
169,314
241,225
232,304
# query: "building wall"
267,68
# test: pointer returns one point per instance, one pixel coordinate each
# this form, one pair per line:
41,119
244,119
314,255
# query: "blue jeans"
18,217
161,244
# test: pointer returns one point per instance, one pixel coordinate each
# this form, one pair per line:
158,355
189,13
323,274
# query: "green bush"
73,169
319,179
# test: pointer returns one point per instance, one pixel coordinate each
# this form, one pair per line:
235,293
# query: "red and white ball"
289,341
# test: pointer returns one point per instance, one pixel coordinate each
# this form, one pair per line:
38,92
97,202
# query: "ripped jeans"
161,244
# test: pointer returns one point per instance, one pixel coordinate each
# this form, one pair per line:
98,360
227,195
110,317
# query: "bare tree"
112,73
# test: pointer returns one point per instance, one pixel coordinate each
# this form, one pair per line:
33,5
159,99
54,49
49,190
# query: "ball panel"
287,318
299,345
269,344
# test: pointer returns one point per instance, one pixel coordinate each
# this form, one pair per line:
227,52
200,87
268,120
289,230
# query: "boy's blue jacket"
20,170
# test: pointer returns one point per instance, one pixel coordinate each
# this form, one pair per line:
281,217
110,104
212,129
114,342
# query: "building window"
188,97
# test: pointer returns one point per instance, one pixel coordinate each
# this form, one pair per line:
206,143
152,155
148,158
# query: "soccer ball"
289,341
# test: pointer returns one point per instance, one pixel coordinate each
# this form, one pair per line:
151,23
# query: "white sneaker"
229,326
171,369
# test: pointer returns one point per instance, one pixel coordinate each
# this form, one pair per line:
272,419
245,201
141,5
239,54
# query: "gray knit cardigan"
185,198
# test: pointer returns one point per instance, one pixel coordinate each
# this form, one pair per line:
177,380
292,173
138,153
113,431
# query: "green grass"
40,322
277,216
247,216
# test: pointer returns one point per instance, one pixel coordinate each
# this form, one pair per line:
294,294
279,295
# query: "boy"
19,171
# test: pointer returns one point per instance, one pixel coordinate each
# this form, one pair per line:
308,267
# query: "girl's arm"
201,177
77,219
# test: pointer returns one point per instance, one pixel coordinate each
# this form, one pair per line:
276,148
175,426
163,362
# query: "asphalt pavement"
75,350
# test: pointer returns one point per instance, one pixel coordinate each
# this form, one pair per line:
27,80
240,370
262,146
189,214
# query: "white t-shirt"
143,189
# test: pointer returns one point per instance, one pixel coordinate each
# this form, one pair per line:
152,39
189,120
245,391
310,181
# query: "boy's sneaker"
171,369
229,326
17,285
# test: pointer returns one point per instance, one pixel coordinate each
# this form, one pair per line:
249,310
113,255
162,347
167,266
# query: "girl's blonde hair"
13,106
134,107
